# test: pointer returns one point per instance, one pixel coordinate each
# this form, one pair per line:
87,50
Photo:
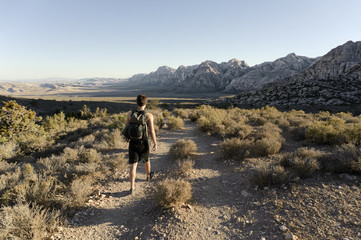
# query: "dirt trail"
224,205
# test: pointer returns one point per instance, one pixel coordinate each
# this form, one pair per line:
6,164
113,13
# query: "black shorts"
138,150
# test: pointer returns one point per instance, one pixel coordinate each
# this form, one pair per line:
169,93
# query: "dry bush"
235,148
172,193
182,113
268,140
53,164
175,123
183,148
70,154
166,113
305,161
23,222
118,162
79,191
85,169
353,132
267,174
109,140
184,166
86,141
8,149
89,155
344,159
6,167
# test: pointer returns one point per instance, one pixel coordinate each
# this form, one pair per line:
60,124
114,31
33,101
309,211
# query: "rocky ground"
226,204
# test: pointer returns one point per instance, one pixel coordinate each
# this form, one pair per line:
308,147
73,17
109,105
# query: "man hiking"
138,123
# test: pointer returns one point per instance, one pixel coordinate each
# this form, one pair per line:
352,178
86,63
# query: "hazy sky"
116,38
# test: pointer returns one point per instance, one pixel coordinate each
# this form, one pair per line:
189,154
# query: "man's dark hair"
141,100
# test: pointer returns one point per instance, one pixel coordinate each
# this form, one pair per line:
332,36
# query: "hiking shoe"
150,176
131,191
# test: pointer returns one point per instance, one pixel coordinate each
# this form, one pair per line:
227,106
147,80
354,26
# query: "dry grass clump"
182,113
305,161
235,148
172,193
184,166
344,159
8,149
118,162
175,123
183,149
79,191
166,113
267,174
24,222
89,155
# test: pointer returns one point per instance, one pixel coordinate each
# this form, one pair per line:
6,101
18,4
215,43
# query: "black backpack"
137,126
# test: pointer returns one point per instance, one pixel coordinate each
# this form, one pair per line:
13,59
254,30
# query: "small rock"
262,238
283,228
244,193
348,177
290,236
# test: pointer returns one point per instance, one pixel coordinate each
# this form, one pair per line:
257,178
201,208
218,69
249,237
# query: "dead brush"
79,191
267,174
172,193
305,161
183,149
185,166
24,222
175,123
344,159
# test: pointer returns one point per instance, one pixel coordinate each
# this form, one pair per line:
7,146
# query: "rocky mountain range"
335,79
231,76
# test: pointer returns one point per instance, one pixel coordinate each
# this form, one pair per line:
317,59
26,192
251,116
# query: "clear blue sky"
119,38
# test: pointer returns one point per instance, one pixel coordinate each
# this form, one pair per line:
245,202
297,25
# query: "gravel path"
225,204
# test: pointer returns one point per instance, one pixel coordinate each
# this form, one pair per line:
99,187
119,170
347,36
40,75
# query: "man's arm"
152,131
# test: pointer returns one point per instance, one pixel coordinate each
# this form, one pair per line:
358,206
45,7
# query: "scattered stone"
348,177
283,228
244,193
262,238
290,236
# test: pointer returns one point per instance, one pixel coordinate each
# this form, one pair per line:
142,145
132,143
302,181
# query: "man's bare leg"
132,173
147,169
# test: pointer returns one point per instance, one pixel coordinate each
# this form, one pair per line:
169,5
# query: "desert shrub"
100,112
235,148
344,159
159,122
268,140
86,141
85,112
327,132
117,121
353,132
182,113
153,104
305,161
183,148
175,123
112,139
52,164
266,174
172,193
70,154
82,169
79,191
184,166
5,166
118,162
166,113
24,222
88,155
8,149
